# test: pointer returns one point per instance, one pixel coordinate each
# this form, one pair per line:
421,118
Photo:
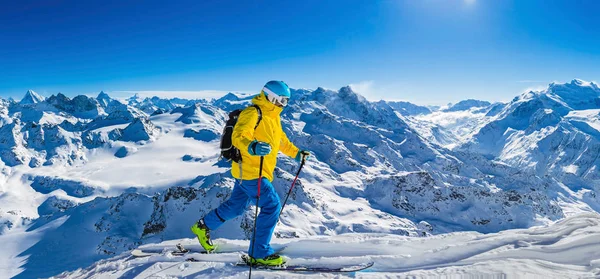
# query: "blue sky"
427,52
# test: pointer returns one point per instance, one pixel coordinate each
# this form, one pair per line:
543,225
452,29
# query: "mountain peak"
577,94
135,99
347,92
103,99
346,88
576,82
230,96
468,104
577,90
407,108
581,82
31,98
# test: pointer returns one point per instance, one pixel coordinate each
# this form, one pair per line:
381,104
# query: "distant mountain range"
98,176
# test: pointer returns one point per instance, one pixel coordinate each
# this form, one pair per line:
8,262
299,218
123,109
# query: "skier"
266,139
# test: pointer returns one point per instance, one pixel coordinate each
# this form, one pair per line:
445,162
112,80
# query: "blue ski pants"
242,195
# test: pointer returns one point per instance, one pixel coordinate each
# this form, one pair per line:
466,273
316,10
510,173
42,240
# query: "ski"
138,253
308,268
302,268
182,251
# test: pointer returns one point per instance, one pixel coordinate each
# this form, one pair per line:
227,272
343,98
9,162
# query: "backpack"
228,151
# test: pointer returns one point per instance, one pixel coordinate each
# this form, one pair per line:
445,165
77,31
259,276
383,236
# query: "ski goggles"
281,101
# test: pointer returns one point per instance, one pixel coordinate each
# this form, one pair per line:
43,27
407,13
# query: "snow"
567,249
468,105
170,94
571,169
548,132
153,165
411,189
19,240
591,117
449,128
31,97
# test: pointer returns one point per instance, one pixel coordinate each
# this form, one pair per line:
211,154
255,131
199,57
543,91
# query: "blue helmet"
277,92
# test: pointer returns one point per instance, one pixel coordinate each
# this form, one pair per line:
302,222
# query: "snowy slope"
566,249
406,108
100,176
452,125
449,128
552,132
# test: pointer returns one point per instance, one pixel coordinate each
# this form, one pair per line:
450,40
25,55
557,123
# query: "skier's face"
280,101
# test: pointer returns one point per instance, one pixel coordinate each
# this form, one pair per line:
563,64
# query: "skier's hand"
259,148
302,155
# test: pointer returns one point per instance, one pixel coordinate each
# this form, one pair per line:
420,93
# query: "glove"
259,148
302,155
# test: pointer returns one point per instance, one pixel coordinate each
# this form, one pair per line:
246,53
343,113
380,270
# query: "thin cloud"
364,88
374,93
201,94
531,81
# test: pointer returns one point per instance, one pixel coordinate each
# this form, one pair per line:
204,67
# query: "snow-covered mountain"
453,125
406,108
468,104
552,132
98,177
31,98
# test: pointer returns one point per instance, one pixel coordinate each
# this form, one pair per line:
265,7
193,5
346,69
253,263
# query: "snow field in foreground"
569,248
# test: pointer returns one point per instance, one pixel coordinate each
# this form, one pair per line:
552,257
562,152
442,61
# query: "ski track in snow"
570,248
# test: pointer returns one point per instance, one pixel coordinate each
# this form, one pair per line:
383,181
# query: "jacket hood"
265,105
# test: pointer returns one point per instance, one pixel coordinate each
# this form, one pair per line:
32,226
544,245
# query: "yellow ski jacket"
269,130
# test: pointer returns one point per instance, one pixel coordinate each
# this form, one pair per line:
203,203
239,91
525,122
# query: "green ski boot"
203,234
272,260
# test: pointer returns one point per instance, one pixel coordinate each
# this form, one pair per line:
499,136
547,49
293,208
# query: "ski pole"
256,213
291,187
